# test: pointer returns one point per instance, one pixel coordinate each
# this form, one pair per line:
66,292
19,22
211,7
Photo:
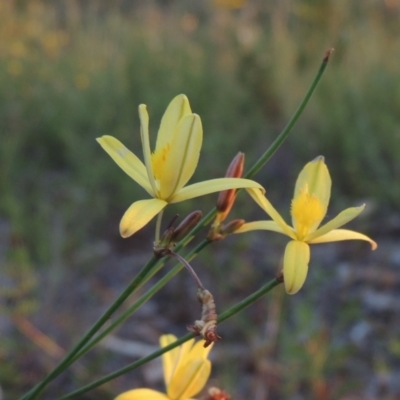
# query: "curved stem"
190,270
224,316
283,135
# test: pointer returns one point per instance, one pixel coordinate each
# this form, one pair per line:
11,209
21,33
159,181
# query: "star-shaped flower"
165,172
309,207
186,371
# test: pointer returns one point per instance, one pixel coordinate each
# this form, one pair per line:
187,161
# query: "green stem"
65,362
249,300
158,226
282,136
224,316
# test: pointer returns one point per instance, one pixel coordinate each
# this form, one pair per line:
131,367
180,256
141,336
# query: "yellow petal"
343,234
198,351
176,110
342,218
264,203
170,358
183,156
189,379
127,161
295,265
315,176
212,186
173,358
142,394
139,214
260,225
145,137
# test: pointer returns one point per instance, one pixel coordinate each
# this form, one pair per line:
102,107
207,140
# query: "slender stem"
224,316
158,225
249,300
282,136
135,283
190,269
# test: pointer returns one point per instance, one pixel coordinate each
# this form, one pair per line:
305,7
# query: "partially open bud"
226,198
165,244
217,394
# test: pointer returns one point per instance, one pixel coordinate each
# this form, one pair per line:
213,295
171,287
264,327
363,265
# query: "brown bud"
186,225
172,235
232,227
226,198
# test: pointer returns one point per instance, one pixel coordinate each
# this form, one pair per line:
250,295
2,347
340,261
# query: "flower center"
307,212
158,159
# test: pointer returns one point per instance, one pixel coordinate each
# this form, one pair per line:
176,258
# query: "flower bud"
166,238
226,198
232,227
186,225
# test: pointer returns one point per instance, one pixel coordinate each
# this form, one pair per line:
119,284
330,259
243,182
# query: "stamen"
307,212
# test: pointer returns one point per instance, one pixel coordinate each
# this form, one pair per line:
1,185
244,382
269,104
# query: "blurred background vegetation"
71,71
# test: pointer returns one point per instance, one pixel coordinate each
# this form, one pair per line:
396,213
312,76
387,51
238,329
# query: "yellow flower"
309,207
186,371
166,171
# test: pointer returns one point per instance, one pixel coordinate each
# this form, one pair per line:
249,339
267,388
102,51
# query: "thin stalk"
64,363
224,316
158,226
249,300
190,270
283,135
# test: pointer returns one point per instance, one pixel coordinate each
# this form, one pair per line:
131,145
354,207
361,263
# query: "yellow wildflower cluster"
166,171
